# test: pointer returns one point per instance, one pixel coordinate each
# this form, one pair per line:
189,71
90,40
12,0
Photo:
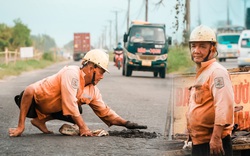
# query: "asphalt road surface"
230,63
140,98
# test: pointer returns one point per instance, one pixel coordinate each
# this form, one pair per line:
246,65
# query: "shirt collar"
204,65
207,63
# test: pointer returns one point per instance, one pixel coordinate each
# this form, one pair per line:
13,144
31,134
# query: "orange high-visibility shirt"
211,102
59,92
63,90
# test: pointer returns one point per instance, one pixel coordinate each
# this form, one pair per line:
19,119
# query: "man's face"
200,50
99,74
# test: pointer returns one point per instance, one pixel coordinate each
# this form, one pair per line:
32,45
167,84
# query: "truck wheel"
123,68
163,73
123,71
155,74
128,71
220,59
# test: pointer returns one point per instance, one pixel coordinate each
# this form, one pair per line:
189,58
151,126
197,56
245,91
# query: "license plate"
146,63
230,55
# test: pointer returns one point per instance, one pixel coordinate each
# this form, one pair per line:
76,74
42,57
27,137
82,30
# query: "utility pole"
245,13
199,13
110,33
105,37
146,11
100,41
116,27
228,12
188,15
128,12
103,40
187,19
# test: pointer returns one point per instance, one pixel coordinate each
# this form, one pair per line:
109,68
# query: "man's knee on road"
29,92
27,97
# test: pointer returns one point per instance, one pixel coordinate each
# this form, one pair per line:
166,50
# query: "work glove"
132,125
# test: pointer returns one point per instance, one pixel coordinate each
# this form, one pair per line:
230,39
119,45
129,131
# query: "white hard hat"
202,33
98,57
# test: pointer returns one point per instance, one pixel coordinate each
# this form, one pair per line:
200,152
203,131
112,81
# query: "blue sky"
61,18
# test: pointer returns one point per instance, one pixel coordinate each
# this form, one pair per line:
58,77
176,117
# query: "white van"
227,45
244,49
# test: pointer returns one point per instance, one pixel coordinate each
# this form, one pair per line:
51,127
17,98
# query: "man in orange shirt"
210,113
60,95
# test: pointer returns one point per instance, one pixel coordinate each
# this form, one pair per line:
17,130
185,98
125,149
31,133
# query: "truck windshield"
245,43
147,34
228,39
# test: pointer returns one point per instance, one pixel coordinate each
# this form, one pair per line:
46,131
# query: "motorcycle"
118,58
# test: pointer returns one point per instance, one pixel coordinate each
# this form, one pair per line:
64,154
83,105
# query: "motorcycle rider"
118,48
60,95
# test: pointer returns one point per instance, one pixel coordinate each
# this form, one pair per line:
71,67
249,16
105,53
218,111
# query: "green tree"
5,36
43,42
38,42
49,42
20,35
69,45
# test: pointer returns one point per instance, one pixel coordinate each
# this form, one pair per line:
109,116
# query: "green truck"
146,49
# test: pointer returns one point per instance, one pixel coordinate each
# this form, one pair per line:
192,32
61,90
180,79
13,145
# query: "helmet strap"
93,77
212,48
206,58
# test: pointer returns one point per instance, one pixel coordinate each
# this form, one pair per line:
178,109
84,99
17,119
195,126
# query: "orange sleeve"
223,97
69,87
104,112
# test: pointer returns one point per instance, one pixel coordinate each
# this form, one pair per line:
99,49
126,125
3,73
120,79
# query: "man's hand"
132,125
216,147
83,132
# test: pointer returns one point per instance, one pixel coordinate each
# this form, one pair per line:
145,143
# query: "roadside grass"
179,60
111,56
13,69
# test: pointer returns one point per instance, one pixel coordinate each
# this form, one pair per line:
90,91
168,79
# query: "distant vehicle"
227,45
81,45
118,58
244,49
227,41
145,48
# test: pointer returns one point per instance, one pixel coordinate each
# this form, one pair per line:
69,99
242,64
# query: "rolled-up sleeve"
69,86
223,97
